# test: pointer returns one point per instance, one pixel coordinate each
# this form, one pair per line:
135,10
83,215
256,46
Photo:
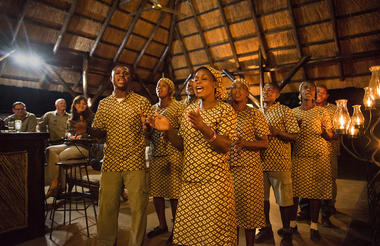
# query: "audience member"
29,120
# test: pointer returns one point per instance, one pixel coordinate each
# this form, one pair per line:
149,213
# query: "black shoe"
326,222
157,231
265,234
281,232
301,216
314,235
287,239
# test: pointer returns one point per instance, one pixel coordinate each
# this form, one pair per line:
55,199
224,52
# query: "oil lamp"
342,118
357,119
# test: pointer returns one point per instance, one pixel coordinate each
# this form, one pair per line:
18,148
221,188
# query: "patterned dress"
206,209
311,169
166,163
247,170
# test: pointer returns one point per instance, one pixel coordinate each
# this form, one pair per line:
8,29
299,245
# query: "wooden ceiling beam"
111,11
58,78
336,36
201,34
296,36
65,25
147,43
263,46
229,35
170,42
129,32
185,52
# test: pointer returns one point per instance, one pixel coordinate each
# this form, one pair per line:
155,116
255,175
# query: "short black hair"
275,86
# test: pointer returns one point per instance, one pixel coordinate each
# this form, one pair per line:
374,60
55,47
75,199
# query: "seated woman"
77,128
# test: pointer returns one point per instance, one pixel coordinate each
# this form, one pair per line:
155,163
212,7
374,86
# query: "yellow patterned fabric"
277,157
187,102
247,170
125,143
166,164
206,208
311,169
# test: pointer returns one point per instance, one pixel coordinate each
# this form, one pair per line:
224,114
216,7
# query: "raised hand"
196,120
158,122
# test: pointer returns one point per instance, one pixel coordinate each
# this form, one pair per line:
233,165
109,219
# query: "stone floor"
351,228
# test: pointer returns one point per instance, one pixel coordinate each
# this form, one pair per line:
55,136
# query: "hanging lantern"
374,83
342,118
357,119
352,131
368,99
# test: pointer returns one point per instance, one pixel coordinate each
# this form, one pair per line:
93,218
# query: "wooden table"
21,186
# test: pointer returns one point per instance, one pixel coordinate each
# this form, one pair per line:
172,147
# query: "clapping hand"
158,122
273,131
196,120
239,144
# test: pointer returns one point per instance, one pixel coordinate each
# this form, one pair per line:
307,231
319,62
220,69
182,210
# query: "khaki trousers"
111,184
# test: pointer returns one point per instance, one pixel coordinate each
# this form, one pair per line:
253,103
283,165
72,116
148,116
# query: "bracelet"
212,139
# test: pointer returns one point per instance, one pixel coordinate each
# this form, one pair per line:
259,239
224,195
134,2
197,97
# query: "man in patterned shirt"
277,162
119,115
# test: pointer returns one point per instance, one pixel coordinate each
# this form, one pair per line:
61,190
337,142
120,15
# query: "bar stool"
74,180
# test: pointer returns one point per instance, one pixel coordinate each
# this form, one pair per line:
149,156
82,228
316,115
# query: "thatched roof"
342,38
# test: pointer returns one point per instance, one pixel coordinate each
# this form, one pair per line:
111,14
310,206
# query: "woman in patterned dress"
311,168
206,208
245,160
166,163
191,97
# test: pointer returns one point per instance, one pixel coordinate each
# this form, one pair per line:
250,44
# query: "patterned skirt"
312,177
249,193
165,176
206,214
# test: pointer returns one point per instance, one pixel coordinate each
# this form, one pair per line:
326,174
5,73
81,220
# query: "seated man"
29,120
55,121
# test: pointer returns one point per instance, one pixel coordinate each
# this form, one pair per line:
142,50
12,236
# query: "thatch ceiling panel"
221,51
15,70
68,75
187,27
247,45
135,42
95,80
128,57
37,11
198,57
359,24
148,62
229,65
352,6
202,6
237,11
167,20
143,28
120,19
249,62
242,29
193,42
106,50
309,33
360,66
176,47
284,56
322,70
280,39
155,49
161,35
113,36
84,26
216,36
184,9
77,43
312,12
132,6
152,15
262,6
178,61
320,50
143,74
276,20
11,7
181,73
33,32
92,8
210,20
360,44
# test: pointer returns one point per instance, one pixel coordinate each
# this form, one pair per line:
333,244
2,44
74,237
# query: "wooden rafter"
259,32
229,35
170,41
65,25
336,36
104,26
129,32
186,54
296,36
147,43
201,34
57,77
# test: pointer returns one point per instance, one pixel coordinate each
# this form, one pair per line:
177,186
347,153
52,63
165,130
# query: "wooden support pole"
259,32
261,77
288,77
185,52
